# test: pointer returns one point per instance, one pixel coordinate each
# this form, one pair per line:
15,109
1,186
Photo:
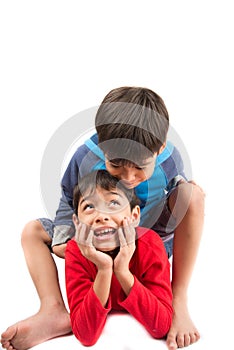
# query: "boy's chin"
130,185
106,250
105,247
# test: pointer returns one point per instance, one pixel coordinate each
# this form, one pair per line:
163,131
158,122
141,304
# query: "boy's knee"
186,197
197,198
34,230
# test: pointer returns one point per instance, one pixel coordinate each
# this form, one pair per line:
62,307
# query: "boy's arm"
173,167
150,298
85,289
103,262
127,237
63,224
81,162
63,228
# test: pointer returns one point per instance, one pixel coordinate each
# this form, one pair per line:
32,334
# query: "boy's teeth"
103,232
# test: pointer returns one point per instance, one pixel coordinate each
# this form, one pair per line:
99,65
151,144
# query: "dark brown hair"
131,121
104,180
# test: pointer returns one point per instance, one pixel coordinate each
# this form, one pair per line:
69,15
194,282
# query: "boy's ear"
75,219
136,215
162,147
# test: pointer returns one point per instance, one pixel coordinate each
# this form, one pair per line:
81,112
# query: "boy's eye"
114,165
88,207
114,203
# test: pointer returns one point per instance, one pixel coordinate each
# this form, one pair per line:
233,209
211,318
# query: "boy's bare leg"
187,205
52,320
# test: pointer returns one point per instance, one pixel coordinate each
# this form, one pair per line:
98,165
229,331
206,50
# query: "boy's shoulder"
169,163
89,146
148,237
88,154
170,156
150,247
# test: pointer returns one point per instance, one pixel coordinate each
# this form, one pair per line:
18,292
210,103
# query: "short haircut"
104,180
131,123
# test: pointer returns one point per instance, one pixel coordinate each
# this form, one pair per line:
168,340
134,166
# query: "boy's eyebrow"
115,193
83,200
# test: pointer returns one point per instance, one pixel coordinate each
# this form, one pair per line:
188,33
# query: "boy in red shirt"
110,265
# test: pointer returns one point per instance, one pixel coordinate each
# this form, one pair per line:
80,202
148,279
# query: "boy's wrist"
123,274
105,266
126,280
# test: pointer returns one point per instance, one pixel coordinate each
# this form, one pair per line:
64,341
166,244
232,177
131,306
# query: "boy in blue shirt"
131,144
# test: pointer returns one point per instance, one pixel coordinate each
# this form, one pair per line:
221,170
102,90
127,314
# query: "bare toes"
5,344
193,338
9,333
187,340
197,334
171,341
180,340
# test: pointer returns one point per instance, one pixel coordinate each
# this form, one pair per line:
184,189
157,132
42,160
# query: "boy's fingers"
77,234
122,239
81,233
89,240
129,231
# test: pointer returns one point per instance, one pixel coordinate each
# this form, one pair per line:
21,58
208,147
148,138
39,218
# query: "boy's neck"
113,253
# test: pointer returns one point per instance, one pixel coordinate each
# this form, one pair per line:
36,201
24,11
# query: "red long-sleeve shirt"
149,301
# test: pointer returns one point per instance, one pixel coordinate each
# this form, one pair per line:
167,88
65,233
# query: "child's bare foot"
36,329
182,332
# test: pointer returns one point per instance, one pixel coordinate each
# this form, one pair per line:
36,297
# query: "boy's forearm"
126,280
102,285
151,307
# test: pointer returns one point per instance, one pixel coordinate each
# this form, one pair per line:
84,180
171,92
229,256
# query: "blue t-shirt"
152,192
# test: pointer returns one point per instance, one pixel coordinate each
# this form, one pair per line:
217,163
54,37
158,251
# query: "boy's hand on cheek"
121,262
84,239
127,236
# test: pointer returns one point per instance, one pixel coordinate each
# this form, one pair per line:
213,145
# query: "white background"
61,57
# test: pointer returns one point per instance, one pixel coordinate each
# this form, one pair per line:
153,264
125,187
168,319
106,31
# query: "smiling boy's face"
104,212
131,174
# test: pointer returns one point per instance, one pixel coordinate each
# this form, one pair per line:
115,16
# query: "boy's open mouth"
104,232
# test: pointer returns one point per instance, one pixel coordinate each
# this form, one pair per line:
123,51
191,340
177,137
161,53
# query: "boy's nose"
101,218
128,175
